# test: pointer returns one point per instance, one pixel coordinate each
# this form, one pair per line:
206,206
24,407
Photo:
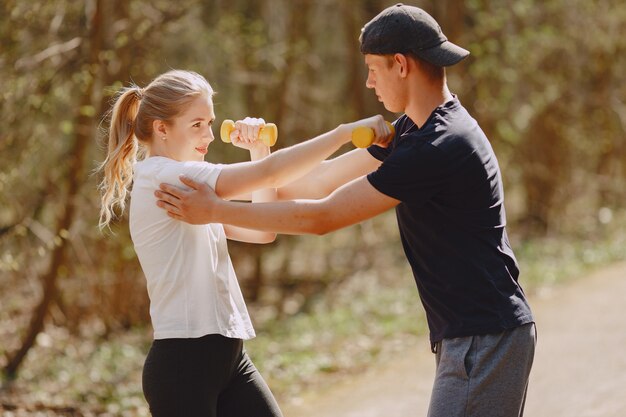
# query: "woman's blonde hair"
130,129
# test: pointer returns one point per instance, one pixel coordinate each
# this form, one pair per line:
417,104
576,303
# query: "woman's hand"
246,134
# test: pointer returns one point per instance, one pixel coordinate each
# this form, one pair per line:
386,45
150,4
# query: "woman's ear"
160,128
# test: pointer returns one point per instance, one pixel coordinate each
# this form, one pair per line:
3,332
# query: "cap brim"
444,55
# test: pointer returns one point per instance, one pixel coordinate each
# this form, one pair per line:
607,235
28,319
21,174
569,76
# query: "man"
442,177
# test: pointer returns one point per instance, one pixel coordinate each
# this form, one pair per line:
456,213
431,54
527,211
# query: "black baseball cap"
409,29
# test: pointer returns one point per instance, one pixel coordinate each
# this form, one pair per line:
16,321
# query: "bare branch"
28,63
620,109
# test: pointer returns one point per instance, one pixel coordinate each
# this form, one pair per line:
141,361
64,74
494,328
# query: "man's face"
383,76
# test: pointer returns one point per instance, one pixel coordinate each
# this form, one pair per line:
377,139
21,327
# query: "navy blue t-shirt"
452,223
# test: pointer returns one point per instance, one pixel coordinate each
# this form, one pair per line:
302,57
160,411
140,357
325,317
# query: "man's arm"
350,204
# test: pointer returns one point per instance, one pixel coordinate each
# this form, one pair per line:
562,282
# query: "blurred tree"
65,84
550,97
83,121
545,80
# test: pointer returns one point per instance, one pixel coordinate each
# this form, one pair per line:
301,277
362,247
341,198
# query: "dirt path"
579,369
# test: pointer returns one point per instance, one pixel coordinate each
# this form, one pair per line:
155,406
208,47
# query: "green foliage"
363,320
368,317
550,261
548,87
99,376
546,81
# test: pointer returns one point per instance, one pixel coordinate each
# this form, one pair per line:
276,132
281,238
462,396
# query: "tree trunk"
298,18
75,170
355,86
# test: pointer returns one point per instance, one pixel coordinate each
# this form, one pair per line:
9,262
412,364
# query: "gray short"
483,376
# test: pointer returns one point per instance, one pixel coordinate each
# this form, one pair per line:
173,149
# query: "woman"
197,365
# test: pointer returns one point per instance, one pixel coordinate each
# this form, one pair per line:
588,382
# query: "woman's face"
189,134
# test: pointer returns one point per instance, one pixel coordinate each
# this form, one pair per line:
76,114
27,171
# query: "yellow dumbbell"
362,137
268,134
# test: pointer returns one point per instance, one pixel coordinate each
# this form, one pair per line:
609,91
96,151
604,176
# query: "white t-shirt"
192,285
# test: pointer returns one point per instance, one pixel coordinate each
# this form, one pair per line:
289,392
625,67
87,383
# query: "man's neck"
426,101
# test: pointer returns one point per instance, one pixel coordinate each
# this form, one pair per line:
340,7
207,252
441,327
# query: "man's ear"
159,127
403,64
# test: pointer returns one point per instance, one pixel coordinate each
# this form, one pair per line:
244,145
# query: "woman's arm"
258,151
330,175
289,164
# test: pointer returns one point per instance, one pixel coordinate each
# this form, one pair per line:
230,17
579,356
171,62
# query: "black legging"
210,376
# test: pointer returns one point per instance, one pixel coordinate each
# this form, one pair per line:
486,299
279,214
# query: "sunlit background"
546,80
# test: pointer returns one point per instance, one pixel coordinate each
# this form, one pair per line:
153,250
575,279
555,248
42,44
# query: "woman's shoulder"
160,163
169,170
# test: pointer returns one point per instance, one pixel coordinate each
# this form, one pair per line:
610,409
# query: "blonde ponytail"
121,156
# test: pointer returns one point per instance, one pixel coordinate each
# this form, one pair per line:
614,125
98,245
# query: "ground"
579,368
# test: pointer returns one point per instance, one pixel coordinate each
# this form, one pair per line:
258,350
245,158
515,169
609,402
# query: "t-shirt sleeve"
379,152
199,171
411,174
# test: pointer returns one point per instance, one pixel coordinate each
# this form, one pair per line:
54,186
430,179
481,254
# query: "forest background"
546,80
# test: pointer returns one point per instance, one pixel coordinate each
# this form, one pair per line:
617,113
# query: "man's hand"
194,206
382,133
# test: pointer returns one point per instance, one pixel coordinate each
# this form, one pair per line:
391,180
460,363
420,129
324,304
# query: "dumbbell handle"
362,137
268,133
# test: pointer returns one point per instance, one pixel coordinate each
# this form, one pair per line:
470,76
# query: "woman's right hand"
246,133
